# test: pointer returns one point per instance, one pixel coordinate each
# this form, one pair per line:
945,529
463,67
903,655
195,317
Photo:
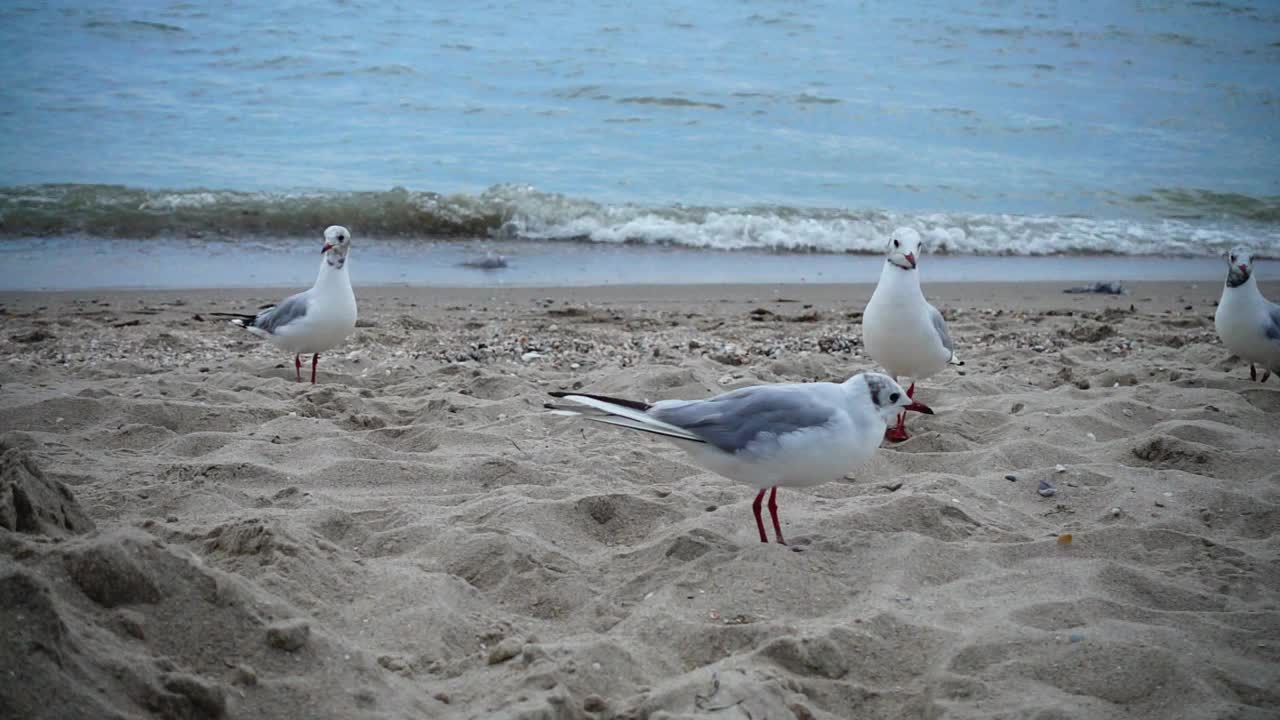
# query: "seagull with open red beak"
902,332
314,320
766,436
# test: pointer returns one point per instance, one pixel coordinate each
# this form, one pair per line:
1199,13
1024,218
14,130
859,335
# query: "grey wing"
1273,328
736,419
291,309
940,326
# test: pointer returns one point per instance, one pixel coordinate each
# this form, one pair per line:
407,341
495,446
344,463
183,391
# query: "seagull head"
888,397
1239,267
905,248
337,241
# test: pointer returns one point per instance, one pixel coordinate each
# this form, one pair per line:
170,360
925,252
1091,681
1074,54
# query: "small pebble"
1059,468
1077,637
593,704
893,486
1115,512
1047,489
1011,478
244,675
505,650
442,697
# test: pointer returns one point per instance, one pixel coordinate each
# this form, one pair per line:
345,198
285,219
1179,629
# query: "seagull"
767,436
902,332
1247,323
314,320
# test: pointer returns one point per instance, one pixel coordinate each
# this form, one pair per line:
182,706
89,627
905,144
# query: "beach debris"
701,702
1064,539
1059,468
491,261
1047,489
893,486
1100,288
1116,512
1077,637
35,336
1011,478
289,634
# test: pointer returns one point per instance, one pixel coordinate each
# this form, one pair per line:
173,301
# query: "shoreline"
154,265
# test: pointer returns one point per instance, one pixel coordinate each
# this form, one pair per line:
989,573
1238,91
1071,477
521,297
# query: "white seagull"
902,332
1247,323
314,320
767,436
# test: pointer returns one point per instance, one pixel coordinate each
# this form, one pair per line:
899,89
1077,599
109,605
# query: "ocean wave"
1181,222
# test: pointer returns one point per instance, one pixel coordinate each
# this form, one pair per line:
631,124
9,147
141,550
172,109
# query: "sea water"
1008,128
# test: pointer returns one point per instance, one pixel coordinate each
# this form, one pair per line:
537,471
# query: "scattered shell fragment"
1047,489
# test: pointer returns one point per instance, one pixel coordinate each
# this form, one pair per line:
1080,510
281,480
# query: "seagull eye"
896,243
894,397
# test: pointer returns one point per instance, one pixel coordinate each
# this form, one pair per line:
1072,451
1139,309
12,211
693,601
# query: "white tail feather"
625,417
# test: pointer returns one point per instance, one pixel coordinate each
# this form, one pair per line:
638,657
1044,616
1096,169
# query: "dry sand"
414,537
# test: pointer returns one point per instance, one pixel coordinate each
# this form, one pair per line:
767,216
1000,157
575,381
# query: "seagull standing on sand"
1247,323
902,332
314,320
767,436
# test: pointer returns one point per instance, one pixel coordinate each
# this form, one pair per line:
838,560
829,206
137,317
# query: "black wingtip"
633,404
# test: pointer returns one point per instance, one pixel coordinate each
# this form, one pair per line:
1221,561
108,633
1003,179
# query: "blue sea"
1089,128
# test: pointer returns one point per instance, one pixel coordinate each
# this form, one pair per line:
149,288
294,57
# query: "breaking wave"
1173,222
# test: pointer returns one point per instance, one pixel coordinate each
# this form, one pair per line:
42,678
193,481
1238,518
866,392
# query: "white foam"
538,216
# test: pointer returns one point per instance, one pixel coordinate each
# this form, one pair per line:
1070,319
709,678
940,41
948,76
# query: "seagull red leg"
297,366
899,433
759,522
315,358
773,512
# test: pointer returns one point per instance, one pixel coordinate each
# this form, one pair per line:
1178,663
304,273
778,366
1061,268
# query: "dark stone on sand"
289,634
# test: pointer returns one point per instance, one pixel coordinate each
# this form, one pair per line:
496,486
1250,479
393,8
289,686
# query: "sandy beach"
185,532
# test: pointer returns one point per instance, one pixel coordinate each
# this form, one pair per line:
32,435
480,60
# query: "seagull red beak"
911,258
919,406
327,247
